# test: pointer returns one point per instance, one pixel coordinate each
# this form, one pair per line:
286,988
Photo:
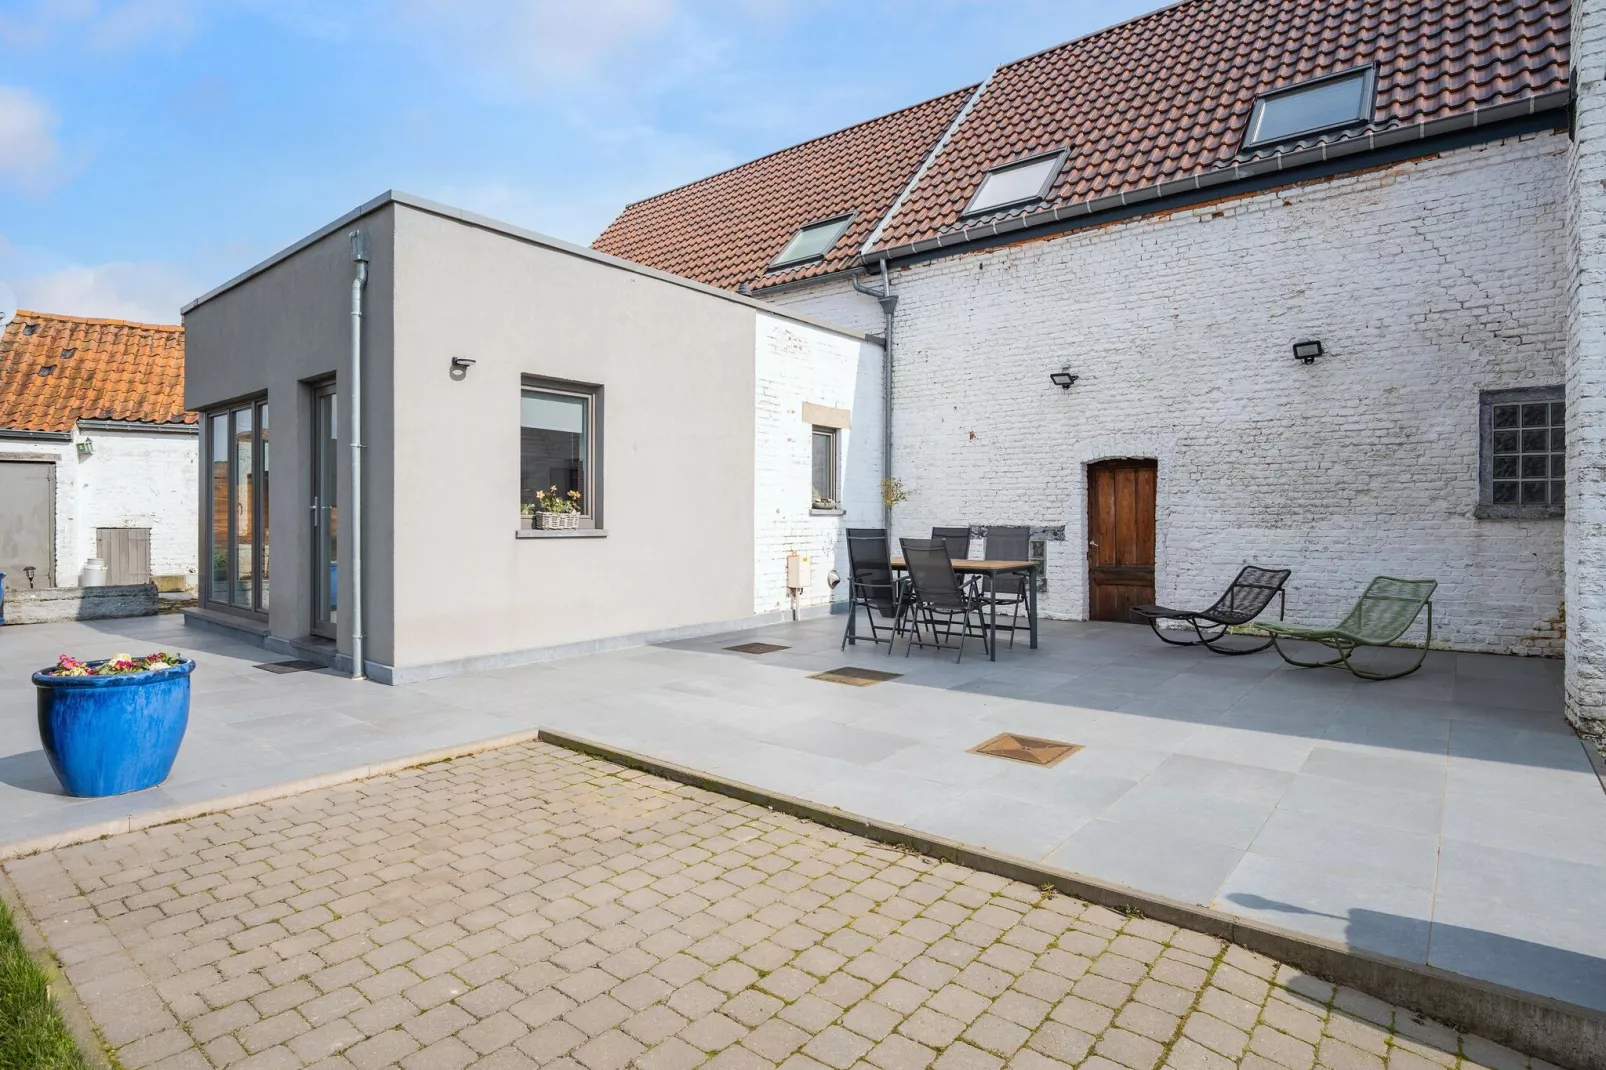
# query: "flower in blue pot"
113,726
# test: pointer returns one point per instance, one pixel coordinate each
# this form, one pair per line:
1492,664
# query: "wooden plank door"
127,553
1120,537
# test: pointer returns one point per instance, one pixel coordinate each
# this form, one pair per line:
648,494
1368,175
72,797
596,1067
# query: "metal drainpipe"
889,304
359,256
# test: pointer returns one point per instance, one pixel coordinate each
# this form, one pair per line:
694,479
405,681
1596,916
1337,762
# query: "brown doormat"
1028,749
855,677
757,648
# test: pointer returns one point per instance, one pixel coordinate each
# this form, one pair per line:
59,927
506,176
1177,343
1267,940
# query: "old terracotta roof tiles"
57,370
1163,97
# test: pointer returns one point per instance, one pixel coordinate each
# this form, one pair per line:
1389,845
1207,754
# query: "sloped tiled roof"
57,370
725,230
1160,98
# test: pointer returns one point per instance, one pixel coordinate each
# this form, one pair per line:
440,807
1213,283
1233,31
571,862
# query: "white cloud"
31,160
146,292
102,26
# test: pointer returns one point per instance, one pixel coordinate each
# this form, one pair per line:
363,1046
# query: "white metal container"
94,573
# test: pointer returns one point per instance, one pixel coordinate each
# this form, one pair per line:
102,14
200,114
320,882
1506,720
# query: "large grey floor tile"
1371,915
1147,855
883,794
1494,821
842,742
1219,819
1395,808
1525,952
1350,848
1243,746
1015,826
1184,772
1402,771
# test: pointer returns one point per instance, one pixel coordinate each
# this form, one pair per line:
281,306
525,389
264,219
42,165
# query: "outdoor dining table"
990,571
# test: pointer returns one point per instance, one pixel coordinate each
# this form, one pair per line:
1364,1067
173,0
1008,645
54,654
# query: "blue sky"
150,149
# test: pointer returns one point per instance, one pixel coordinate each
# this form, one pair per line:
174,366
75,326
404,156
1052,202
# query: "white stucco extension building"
97,455
1163,210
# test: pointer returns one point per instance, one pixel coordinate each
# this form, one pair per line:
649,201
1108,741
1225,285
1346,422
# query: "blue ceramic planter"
106,735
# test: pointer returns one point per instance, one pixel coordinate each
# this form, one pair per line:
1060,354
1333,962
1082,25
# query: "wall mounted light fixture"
460,367
1307,350
1063,378
86,447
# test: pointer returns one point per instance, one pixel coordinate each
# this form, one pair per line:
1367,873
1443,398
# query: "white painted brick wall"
1586,374
142,480
132,479
795,363
1427,282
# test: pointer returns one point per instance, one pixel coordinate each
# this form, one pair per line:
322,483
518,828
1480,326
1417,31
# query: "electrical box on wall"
797,571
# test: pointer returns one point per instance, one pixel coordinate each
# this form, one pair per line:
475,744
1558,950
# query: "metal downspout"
889,304
359,256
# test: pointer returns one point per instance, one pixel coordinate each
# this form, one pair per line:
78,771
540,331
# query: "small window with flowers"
1524,453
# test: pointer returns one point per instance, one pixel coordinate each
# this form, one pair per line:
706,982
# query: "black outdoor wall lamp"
1307,350
1063,378
460,367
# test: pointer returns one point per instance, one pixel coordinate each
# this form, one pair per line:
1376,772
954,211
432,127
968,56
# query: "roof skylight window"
812,242
1016,183
1320,104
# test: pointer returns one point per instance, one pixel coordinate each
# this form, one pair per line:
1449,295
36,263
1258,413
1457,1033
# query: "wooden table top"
966,565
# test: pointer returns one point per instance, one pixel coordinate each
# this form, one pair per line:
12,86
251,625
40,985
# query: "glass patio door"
237,489
325,513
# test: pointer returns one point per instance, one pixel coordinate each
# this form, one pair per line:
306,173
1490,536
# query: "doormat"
757,648
855,677
291,666
1028,749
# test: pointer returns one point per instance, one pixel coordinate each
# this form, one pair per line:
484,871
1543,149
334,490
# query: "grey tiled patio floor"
1450,817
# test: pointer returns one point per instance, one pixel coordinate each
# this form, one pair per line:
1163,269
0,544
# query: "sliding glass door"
237,515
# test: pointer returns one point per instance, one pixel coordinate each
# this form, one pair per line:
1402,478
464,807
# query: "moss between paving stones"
32,1036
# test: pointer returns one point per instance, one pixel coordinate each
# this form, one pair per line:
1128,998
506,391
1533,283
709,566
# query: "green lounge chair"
1385,612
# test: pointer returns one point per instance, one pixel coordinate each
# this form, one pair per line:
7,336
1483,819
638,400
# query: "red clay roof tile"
726,229
57,370
1162,97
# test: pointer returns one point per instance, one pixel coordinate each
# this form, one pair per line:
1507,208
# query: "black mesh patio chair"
1243,601
939,597
872,585
1008,544
956,540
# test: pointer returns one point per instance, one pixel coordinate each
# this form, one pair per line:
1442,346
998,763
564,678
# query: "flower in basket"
550,501
528,508
66,665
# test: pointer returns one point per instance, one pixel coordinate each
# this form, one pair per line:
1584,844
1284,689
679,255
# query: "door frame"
1120,450
326,388
54,462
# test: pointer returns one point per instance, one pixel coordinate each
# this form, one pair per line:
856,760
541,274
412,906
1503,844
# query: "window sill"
828,512
573,533
1518,512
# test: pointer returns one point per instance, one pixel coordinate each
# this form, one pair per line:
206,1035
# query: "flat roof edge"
472,219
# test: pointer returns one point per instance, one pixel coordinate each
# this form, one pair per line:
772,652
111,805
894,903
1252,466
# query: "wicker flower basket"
558,521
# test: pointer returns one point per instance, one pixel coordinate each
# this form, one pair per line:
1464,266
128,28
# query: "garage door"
27,522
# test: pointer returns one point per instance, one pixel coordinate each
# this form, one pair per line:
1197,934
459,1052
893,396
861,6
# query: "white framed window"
825,489
1324,103
1020,182
559,426
812,242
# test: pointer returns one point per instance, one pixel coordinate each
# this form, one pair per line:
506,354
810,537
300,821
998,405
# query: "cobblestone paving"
534,907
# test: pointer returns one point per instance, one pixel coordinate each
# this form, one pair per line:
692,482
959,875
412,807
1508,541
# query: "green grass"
32,1036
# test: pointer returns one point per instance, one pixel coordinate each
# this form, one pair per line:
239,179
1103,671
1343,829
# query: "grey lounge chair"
1245,599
